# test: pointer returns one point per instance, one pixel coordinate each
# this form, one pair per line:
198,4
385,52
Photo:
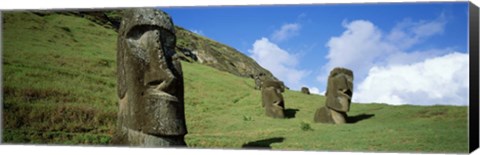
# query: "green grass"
216,118
60,88
58,78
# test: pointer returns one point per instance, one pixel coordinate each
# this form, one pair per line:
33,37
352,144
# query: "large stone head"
149,75
274,84
272,98
305,90
339,89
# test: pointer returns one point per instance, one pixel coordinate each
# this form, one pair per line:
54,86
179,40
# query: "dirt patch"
33,94
432,113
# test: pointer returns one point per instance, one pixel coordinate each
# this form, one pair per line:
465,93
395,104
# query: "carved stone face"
272,98
305,90
150,78
258,82
340,89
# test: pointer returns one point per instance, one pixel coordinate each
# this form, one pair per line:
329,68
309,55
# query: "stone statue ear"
122,77
350,82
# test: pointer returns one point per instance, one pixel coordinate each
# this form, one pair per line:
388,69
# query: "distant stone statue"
305,90
258,80
339,94
272,98
150,81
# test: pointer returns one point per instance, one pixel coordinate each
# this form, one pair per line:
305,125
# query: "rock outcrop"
339,94
150,81
194,47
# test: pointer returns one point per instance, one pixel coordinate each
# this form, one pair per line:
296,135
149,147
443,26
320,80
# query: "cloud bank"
439,80
281,63
388,69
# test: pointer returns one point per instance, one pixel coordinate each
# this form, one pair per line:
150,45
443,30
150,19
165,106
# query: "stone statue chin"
150,81
339,94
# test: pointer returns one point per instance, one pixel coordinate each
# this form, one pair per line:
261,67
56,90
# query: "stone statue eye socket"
348,92
154,82
168,38
345,91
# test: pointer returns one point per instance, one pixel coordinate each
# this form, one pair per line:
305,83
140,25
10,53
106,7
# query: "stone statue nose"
152,78
154,73
348,92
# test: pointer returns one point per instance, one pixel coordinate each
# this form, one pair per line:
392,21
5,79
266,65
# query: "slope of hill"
59,88
190,46
217,55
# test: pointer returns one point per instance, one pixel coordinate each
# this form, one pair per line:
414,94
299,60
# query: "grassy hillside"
59,88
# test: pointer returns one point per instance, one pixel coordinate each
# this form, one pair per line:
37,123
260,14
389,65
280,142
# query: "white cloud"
285,32
408,33
281,63
302,16
439,80
315,90
384,64
357,48
199,32
363,45
323,93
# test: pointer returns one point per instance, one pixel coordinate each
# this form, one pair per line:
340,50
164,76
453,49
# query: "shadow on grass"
357,118
263,144
290,113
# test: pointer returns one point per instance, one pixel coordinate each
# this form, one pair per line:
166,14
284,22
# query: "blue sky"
395,50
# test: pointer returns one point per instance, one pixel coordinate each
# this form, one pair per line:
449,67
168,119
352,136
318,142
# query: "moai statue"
272,98
258,80
305,90
150,81
339,94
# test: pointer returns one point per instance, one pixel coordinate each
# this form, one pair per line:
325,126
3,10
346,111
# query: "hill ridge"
191,47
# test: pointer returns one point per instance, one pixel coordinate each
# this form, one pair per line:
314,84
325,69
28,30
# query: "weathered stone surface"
150,81
275,84
258,83
327,115
339,94
272,99
259,80
137,138
305,90
339,89
322,115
